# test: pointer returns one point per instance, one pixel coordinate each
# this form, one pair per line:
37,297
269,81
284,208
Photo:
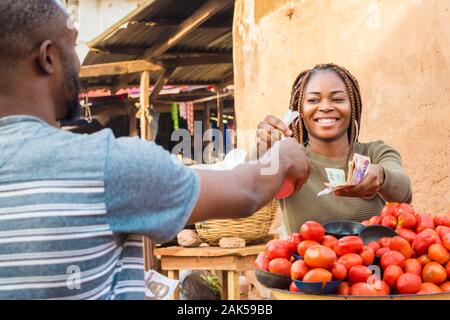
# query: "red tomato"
305,245
280,266
409,283
423,259
428,287
293,240
413,266
339,271
442,219
407,220
320,257
423,240
348,244
389,209
380,286
363,289
384,242
392,257
389,221
446,241
445,287
312,230
262,261
391,275
344,289
424,221
375,220
299,269
367,255
358,274
404,208
329,241
442,231
447,267
406,234
374,245
382,251
350,260
433,272
293,287
437,252
278,249
318,275
401,245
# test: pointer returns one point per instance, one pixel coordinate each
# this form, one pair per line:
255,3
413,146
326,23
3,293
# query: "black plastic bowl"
272,280
329,287
343,228
376,232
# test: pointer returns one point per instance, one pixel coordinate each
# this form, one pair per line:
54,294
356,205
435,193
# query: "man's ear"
47,57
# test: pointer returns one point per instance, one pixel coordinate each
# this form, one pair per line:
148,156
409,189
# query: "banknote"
357,170
159,287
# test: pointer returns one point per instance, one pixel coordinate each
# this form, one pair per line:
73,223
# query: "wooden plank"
204,13
175,275
139,50
234,292
177,251
205,59
162,81
117,68
154,23
234,263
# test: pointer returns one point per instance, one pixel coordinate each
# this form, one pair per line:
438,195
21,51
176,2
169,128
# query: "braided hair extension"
297,99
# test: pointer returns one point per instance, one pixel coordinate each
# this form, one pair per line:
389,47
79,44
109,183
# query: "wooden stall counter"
228,263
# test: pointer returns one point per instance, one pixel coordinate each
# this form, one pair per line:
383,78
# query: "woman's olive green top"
305,205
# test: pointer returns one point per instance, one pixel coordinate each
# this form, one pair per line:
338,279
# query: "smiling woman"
328,101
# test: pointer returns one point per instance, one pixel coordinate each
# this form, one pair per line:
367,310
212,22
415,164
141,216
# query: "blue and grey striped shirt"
73,209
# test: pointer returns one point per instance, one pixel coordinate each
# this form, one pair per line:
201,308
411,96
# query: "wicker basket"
253,229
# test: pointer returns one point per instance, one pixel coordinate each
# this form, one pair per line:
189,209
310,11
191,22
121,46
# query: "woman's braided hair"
297,99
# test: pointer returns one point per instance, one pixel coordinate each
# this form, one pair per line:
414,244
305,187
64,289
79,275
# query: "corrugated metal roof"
129,38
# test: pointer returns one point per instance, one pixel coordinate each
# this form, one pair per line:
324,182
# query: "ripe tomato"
433,272
384,242
293,287
278,249
320,257
358,274
447,267
445,287
391,275
350,260
363,289
380,286
382,251
367,255
318,275
374,245
438,253
424,221
424,259
299,269
428,287
348,244
262,261
392,257
401,245
442,231
389,221
344,289
375,220
423,240
407,220
403,208
339,271
305,245
406,234
408,283
293,240
312,230
413,266
389,209
329,241
446,241
442,219
280,266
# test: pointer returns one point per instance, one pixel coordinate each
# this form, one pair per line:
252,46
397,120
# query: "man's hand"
368,187
269,131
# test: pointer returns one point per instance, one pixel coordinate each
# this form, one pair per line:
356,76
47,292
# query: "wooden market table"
227,262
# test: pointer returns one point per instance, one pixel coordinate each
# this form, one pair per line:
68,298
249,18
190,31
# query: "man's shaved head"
24,25
37,45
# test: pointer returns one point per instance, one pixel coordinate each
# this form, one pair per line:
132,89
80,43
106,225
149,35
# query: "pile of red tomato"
416,261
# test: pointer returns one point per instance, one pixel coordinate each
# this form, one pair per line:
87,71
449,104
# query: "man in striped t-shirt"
73,208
